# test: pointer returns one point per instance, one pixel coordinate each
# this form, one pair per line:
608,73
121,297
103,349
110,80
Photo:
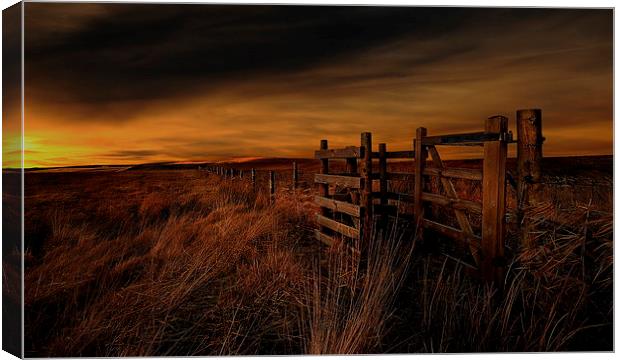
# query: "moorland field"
165,260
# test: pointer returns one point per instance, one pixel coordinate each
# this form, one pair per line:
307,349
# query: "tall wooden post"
420,162
272,184
324,188
494,203
383,183
529,158
253,175
366,216
295,175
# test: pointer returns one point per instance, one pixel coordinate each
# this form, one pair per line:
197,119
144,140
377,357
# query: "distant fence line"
250,175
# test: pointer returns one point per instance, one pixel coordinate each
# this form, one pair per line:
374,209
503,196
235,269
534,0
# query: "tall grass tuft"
352,301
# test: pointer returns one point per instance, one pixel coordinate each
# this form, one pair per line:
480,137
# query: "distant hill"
602,164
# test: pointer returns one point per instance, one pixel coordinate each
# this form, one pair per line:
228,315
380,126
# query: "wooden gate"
350,206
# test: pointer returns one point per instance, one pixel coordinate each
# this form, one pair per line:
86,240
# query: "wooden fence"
358,202
251,175
352,208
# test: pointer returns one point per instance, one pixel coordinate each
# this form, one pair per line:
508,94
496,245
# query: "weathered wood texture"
475,138
337,227
338,206
407,154
420,162
455,203
345,181
529,157
494,203
324,188
383,180
348,152
366,190
455,173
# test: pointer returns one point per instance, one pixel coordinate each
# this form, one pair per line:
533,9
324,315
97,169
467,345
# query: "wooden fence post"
241,174
383,184
295,175
253,176
324,188
420,162
529,157
366,216
272,184
494,203
383,173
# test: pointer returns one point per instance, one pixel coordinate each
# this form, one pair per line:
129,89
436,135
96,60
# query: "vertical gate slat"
420,161
324,188
366,191
494,202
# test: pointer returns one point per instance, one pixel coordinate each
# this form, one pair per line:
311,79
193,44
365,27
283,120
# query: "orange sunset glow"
110,84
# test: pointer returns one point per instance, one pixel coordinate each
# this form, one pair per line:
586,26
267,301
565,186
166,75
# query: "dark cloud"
11,65
136,82
98,54
115,57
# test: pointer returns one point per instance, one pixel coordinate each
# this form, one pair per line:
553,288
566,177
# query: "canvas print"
213,179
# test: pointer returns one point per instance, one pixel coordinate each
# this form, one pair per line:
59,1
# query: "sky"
136,83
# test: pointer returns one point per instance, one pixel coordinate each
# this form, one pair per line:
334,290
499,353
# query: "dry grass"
353,303
558,294
198,267
179,263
